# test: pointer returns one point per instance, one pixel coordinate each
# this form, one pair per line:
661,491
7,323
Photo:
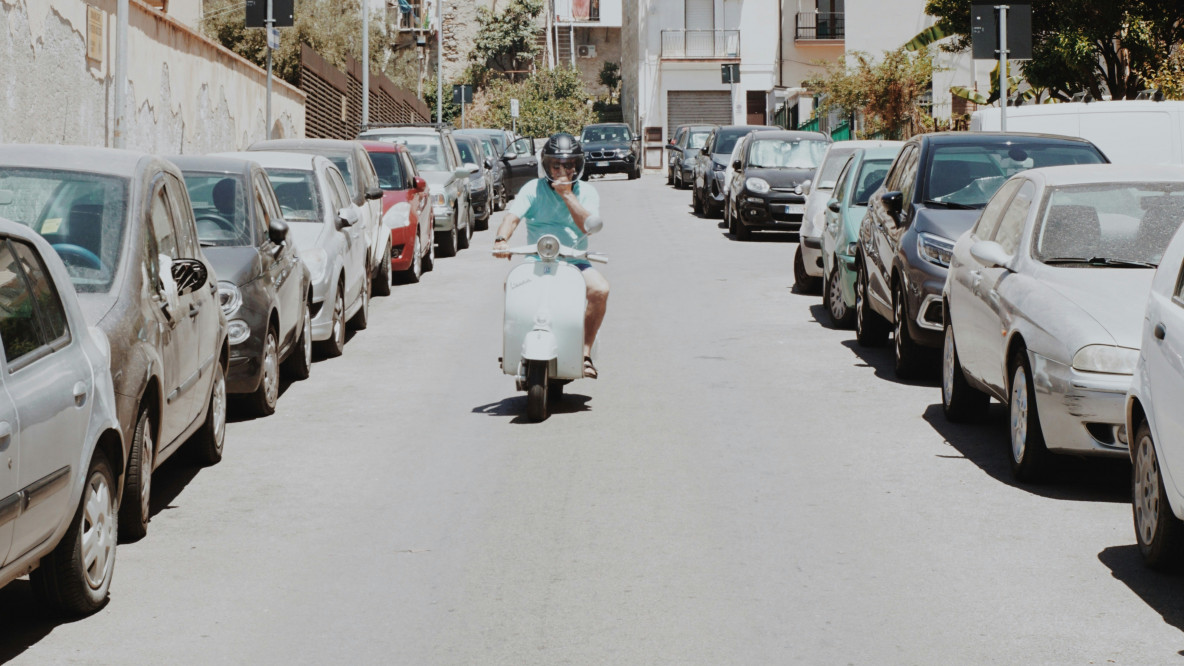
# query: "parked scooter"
543,330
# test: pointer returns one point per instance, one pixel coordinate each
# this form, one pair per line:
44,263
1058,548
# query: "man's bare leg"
597,303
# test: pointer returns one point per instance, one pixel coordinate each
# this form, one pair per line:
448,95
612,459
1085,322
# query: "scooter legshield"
549,298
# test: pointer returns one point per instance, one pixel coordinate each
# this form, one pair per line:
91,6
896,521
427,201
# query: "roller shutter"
697,107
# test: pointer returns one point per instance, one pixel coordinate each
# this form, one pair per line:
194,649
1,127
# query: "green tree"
886,92
1099,46
610,77
506,42
549,101
333,28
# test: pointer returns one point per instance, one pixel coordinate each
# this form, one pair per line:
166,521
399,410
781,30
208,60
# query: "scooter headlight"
548,247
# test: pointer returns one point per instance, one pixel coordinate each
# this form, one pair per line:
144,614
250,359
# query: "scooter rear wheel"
536,390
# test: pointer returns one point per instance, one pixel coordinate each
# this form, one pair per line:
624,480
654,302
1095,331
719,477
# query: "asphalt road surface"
742,485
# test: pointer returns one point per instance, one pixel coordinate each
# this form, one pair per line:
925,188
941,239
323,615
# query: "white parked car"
1043,300
61,452
1154,418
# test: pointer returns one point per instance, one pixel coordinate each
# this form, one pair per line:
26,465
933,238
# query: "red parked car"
412,249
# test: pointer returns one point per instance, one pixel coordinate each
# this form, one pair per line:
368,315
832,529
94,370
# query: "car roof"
275,159
994,138
881,152
791,134
398,131
217,163
1078,174
89,159
321,146
607,125
383,147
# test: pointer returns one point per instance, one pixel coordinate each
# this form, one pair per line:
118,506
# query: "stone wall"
185,94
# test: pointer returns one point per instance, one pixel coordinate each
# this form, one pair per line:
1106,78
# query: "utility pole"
1002,67
365,64
439,61
121,10
270,23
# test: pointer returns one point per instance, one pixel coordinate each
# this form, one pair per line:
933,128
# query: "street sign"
513,108
462,94
984,30
730,73
273,38
282,10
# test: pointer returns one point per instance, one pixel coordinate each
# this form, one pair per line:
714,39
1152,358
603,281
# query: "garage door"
697,107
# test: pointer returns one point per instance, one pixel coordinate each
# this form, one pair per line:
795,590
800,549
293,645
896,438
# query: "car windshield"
606,134
82,215
968,174
786,153
296,190
835,159
426,151
698,139
390,171
870,178
220,208
1109,224
467,154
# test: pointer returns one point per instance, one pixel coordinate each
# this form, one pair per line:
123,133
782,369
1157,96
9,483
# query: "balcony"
819,26
703,44
415,19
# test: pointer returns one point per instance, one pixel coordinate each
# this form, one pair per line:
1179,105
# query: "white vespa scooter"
543,329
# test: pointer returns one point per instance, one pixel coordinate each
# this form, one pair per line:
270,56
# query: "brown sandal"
589,369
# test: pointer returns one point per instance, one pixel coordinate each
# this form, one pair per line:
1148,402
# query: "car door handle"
1160,332
194,309
79,393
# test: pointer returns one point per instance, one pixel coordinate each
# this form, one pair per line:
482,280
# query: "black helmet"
562,148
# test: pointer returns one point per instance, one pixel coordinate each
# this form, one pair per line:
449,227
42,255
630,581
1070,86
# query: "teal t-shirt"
545,213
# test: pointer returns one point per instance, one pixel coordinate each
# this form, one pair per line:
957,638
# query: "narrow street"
742,485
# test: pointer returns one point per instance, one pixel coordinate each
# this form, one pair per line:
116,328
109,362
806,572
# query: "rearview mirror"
420,184
277,232
472,167
347,217
989,253
509,155
893,203
461,172
593,225
373,193
737,165
189,275
833,205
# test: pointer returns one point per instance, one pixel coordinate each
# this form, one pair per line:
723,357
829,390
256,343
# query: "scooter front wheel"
536,390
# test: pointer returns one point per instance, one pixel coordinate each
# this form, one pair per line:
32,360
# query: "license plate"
795,209
602,164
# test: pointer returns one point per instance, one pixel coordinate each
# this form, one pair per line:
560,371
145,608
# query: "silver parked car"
1044,301
61,451
326,226
1154,419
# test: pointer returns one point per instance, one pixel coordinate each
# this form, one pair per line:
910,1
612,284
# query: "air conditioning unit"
585,51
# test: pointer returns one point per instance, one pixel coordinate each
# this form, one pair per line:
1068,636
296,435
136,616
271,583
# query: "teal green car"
862,175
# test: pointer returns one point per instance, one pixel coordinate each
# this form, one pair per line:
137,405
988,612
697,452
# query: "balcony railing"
820,25
700,43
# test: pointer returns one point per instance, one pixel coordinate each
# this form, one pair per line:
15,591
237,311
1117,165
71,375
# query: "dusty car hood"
945,222
306,235
239,265
781,177
1115,297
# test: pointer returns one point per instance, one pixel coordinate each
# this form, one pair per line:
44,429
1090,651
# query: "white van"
1127,131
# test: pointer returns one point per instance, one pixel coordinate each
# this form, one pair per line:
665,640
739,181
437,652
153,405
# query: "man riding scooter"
560,205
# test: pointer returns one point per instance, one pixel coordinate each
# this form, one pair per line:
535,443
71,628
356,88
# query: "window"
49,304
182,214
339,190
162,225
31,312
985,227
908,179
1012,225
843,181
871,177
265,213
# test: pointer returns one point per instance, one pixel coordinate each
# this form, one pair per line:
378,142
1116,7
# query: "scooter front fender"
540,346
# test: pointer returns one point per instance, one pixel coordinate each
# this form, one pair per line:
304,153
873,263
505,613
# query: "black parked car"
934,191
610,148
680,153
771,172
263,286
707,188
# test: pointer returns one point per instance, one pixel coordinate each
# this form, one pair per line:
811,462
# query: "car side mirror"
420,184
833,205
277,232
373,193
593,225
807,186
703,151
989,253
461,172
509,155
189,275
893,203
347,217
472,167
488,163
737,165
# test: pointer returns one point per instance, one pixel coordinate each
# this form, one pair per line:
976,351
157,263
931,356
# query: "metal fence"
820,25
700,43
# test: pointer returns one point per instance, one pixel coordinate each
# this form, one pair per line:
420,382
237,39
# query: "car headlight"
229,298
397,216
758,185
317,260
935,249
1106,358
439,199
237,332
719,167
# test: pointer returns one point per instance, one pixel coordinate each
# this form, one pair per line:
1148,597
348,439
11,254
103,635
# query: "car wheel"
1159,533
960,401
76,576
696,203
806,283
870,328
905,350
429,260
382,281
413,273
669,175
635,173
299,363
209,440
1029,457
840,315
336,342
264,399
134,509
463,236
361,318
536,391
678,184
447,240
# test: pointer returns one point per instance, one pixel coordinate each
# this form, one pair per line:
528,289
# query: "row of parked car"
140,294
1023,267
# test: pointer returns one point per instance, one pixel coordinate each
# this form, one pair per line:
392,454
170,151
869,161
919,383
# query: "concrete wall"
185,94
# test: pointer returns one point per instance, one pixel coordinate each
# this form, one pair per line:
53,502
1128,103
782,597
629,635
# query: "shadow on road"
881,360
515,406
1073,478
25,619
1164,593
